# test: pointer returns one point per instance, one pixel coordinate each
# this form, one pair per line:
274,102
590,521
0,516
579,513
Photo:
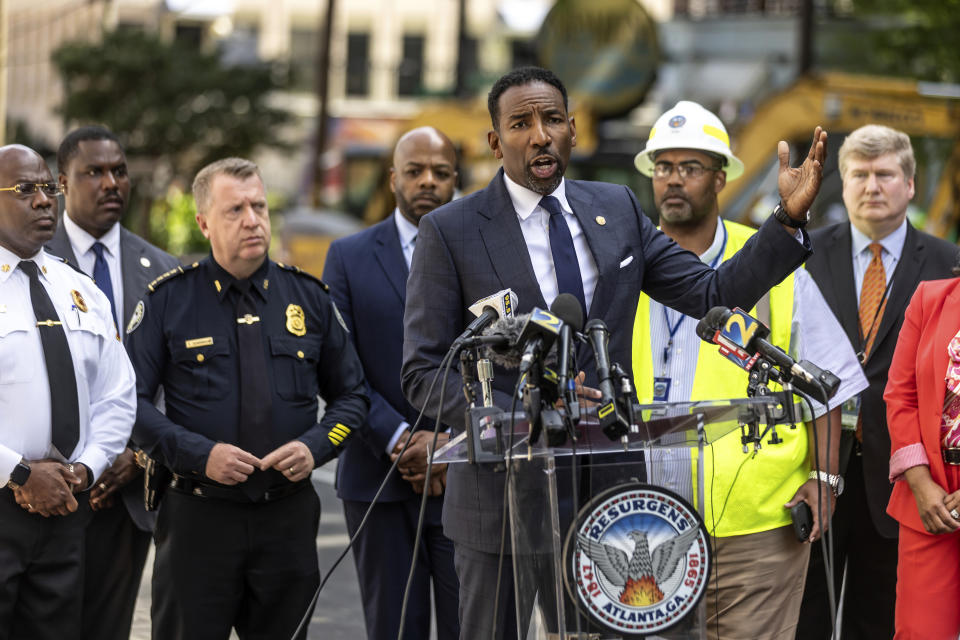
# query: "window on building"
523,53
303,59
358,64
410,70
188,35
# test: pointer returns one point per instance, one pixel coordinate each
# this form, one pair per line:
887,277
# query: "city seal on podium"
637,559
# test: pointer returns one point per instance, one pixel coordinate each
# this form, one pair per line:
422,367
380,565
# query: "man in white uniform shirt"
68,404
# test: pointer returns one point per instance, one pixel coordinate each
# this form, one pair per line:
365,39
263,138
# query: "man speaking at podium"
757,586
534,232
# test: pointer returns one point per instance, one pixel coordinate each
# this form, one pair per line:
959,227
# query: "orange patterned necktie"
871,297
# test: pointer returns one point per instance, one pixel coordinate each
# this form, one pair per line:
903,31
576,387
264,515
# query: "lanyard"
672,329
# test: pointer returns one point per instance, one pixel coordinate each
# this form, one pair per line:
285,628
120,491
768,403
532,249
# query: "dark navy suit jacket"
473,247
367,276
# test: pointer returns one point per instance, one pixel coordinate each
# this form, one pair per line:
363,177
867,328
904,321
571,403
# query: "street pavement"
338,614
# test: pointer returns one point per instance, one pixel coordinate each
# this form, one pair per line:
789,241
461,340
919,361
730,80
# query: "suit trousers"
870,561
222,564
928,580
383,551
115,552
756,585
41,572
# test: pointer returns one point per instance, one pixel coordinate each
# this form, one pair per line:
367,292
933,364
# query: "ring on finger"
955,514
29,506
291,471
103,486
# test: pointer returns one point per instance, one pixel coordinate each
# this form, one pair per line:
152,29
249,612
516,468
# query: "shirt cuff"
8,462
912,455
396,436
95,461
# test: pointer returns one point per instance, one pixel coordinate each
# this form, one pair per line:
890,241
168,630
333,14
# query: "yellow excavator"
840,102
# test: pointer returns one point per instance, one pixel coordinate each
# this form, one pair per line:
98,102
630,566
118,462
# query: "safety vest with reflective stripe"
745,493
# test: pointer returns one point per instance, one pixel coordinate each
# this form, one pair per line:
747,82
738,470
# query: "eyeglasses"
29,188
693,169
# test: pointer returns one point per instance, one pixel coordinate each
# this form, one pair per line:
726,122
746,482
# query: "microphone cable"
426,490
444,363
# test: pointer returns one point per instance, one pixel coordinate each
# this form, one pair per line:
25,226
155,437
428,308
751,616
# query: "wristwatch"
19,475
784,218
834,480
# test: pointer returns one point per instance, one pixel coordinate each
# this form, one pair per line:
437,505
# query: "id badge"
850,411
661,389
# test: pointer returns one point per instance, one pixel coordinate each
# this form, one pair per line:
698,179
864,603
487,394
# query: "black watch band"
784,218
19,475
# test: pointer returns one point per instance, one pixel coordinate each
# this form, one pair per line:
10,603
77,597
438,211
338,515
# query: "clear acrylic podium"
571,584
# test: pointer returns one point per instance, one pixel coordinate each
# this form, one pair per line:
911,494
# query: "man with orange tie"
868,270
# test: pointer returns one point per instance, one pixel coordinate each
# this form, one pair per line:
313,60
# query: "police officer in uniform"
67,404
242,346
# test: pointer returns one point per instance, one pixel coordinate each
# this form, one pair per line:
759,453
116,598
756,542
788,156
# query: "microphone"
537,336
614,425
498,305
568,309
748,335
527,336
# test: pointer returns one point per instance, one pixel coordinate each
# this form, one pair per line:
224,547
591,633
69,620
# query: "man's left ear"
573,132
719,181
62,179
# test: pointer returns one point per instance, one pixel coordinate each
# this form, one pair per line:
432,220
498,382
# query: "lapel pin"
145,261
601,220
5,268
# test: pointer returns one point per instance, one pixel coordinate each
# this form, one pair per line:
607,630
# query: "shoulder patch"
169,275
136,318
299,271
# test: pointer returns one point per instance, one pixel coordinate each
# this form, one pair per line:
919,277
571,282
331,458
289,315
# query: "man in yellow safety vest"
756,587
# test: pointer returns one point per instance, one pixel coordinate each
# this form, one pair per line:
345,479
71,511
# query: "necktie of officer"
872,304
101,275
564,255
255,396
64,405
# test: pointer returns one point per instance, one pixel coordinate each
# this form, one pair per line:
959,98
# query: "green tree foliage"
174,108
914,38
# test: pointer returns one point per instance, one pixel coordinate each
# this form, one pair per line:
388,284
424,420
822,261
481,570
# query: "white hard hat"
689,126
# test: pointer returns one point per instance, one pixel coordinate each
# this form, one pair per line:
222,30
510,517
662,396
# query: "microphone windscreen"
709,324
567,308
509,327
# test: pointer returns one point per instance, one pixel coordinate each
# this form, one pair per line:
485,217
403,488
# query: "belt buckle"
951,455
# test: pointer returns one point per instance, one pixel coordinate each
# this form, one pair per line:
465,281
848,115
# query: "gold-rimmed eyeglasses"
51,189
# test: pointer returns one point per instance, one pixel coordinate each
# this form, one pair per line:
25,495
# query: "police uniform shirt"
105,380
183,335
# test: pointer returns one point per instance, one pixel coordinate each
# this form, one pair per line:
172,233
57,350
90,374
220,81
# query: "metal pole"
323,79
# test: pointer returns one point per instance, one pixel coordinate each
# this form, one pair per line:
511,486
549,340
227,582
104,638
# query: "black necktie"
564,255
255,397
101,275
64,406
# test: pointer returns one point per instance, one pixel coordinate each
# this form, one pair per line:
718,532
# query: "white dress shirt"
105,380
82,244
535,225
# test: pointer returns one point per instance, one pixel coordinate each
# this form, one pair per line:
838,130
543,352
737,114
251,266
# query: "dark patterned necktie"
64,406
101,275
564,255
255,397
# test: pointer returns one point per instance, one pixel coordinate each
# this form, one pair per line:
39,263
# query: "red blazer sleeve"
903,417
